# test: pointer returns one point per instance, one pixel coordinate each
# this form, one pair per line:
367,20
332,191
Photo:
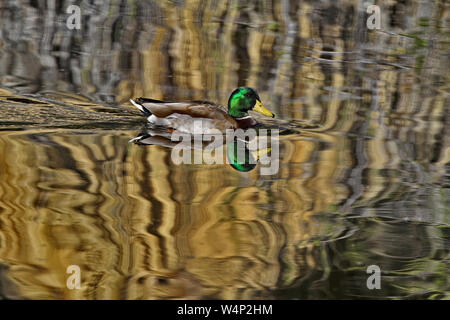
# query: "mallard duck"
202,117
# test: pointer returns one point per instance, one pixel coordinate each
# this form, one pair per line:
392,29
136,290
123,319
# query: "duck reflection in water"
244,149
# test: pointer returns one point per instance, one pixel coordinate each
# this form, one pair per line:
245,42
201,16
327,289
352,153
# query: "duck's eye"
247,95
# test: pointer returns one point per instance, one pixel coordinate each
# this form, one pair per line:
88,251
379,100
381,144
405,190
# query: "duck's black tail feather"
143,100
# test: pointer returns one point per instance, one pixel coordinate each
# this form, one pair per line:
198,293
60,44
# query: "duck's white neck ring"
247,117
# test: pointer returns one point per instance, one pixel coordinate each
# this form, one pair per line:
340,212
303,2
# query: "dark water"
363,175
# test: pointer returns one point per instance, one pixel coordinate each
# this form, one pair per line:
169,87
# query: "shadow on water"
362,173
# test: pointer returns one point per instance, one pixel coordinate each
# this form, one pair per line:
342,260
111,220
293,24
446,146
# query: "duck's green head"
244,99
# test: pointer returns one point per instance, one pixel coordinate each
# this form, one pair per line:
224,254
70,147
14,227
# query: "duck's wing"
195,109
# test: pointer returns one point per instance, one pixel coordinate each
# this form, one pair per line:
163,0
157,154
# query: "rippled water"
364,173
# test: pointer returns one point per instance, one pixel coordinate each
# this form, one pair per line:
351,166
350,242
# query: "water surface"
363,177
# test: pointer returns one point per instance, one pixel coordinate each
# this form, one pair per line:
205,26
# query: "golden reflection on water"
363,181
143,229
139,227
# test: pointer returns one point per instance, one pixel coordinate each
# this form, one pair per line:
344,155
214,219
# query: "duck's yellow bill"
258,107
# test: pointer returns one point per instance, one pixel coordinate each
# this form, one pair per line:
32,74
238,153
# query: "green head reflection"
241,158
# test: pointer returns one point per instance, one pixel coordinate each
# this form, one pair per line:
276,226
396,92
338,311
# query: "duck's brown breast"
245,123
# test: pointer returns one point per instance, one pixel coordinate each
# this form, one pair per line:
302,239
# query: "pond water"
363,173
